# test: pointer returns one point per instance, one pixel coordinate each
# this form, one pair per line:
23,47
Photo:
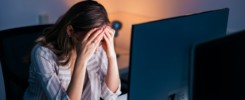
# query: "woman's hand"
85,50
89,43
108,42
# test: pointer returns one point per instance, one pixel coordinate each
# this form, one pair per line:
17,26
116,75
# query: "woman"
75,59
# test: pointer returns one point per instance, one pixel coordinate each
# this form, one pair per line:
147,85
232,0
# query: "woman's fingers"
90,33
95,36
106,38
111,31
108,35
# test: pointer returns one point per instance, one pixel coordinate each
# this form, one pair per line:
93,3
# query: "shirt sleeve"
47,77
106,93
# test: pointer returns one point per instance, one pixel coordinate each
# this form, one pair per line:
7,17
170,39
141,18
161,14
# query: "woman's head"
75,23
83,17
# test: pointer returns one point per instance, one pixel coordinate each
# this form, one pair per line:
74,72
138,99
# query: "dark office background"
18,13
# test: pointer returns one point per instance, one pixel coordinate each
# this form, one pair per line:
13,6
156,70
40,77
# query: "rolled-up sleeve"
107,94
48,78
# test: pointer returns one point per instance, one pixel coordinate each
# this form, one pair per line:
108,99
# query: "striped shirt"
49,81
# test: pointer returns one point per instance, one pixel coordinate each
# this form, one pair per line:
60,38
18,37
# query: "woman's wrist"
112,56
80,63
112,60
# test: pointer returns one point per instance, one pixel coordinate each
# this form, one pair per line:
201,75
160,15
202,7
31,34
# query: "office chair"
15,45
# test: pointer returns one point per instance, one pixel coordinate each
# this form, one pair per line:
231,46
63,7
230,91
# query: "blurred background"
18,13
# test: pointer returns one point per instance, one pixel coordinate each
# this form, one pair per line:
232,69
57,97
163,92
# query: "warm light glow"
131,12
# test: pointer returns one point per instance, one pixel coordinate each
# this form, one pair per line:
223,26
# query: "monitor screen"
219,69
160,52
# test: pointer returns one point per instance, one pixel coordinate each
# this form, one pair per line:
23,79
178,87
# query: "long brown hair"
83,16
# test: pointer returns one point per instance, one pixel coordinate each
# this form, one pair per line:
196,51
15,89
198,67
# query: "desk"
123,97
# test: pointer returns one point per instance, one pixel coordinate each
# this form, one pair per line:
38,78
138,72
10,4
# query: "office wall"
16,13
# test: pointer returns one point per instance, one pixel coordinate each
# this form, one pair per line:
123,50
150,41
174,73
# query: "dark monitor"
160,52
219,69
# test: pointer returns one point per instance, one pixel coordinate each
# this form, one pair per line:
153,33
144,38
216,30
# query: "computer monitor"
219,69
160,52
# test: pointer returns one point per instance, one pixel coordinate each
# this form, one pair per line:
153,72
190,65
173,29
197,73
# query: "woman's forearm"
112,78
75,88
